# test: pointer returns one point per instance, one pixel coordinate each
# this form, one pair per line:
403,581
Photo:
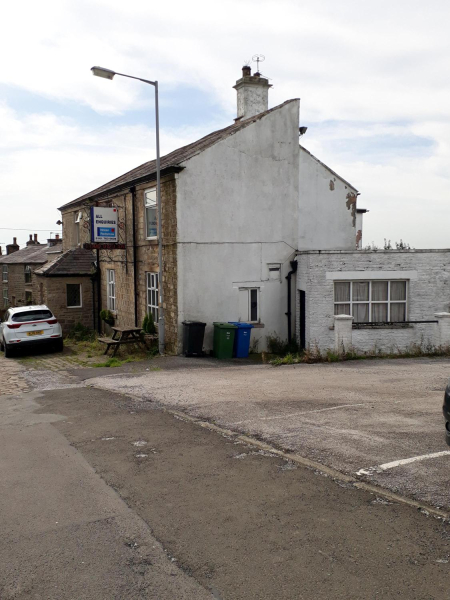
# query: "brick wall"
428,293
121,261
55,297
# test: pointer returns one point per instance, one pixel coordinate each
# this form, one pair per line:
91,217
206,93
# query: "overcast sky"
373,78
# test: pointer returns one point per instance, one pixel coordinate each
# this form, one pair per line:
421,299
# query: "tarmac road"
106,497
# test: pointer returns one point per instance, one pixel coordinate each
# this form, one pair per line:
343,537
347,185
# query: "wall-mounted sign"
104,246
104,224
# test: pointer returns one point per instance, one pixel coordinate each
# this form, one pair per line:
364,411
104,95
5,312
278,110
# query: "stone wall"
428,291
16,285
53,290
121,261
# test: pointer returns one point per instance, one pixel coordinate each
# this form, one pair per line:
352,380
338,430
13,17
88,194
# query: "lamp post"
108,74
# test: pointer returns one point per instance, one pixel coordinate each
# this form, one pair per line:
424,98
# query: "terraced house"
18,266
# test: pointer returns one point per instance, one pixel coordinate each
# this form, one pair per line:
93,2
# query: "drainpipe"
133,210
289,311
99,293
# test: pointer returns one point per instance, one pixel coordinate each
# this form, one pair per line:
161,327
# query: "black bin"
193,335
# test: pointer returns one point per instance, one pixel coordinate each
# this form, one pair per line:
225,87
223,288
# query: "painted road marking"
399,463
304,412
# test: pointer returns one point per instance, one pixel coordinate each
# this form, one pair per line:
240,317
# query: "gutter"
133,212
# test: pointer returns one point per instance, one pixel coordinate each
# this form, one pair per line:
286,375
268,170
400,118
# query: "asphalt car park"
379,421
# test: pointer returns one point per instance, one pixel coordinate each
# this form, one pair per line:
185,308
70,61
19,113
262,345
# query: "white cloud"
378,68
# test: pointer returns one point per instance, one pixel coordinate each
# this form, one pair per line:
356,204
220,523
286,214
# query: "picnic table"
122,335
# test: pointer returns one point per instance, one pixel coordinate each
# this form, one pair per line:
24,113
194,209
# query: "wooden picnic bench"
122,335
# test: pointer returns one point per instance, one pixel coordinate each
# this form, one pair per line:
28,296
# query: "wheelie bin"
193,334
242,339
223,340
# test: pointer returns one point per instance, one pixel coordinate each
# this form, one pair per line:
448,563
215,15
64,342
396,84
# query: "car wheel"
8,351
59,345
1,346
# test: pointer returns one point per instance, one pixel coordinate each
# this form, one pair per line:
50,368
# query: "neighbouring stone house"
236,207
18,266
67,286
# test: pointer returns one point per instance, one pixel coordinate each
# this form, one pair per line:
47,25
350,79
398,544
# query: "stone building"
18,266
236,206
67,286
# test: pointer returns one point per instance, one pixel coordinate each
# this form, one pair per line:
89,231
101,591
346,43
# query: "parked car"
446,409
28,326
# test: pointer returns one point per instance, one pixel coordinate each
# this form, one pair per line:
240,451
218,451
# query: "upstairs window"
27,274
371,301
5,274
151,227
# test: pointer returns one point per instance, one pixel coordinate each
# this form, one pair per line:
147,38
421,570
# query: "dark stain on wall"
358,238
331,185
351,205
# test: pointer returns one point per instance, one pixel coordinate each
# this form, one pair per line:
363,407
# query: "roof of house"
75,262
30,255
328,168
170,161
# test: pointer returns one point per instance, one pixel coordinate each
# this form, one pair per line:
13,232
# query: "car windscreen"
31,315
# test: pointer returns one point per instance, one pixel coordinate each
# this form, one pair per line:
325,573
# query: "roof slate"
30,255
77,261
174,159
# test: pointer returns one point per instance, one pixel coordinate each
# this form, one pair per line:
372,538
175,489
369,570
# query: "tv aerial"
257,58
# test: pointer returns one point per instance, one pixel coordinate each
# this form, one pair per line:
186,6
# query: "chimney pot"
15,241
246,71
35,237
57,236
31,238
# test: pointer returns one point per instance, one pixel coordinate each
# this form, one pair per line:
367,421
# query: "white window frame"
5,274
370,302
5,297
28,272
111,289
152,282
153,205
81,296
249,304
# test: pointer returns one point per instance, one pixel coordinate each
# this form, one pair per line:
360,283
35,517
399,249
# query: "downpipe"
288,277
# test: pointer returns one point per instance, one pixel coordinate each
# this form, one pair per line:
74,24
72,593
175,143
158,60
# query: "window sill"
257,325
75,306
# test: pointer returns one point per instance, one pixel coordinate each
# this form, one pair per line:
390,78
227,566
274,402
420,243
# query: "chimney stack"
252,94
10,248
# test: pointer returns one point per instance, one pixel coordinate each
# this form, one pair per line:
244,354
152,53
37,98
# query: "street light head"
101,72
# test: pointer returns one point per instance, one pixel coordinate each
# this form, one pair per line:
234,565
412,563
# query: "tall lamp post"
108,74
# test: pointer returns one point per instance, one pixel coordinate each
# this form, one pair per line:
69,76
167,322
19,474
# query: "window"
274,271
249,305
5,274
27,274
73,295
5,297
371,301
32,315
151,230
28,298
111,283
152,296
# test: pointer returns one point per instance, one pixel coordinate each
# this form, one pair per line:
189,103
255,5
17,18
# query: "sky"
372,78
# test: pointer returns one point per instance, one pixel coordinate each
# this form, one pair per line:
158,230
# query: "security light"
101,72
302,130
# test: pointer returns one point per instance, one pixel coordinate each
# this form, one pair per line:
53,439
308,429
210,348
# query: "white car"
27,326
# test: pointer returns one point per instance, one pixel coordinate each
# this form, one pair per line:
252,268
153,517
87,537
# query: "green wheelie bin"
224,340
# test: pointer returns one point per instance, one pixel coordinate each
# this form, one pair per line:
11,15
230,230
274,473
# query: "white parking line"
399,463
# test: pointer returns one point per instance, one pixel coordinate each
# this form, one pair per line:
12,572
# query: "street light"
108,74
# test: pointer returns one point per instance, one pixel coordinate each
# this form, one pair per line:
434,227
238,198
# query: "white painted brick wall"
427,295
